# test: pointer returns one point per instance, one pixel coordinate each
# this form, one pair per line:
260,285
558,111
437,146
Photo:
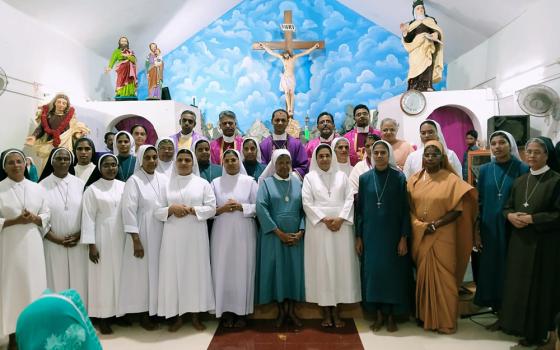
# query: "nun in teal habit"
495,181
382,230
56,321
280,271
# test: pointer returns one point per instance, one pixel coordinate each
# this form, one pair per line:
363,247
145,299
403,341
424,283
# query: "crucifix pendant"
525,204
499,195
286,199
379,204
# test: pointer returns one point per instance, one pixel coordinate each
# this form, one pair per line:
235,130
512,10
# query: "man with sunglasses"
187,136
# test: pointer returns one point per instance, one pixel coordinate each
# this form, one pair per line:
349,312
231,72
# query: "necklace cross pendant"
525,204
379,204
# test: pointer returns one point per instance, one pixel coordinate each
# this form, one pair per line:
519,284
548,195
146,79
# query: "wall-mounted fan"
539,101
3,81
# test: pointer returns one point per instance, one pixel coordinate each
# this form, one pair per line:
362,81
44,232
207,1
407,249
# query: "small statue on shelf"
124,62
154,72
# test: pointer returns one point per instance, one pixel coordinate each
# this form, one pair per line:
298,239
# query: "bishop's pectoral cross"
288,80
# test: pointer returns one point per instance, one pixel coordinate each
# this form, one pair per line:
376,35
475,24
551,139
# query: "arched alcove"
127,121
455,121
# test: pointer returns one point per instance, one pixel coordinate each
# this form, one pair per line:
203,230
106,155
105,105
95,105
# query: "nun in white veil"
332,273
143,194
166,153
382,230
341,148
233,241
185,279
430,130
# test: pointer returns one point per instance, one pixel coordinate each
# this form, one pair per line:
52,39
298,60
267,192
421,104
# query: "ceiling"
98,24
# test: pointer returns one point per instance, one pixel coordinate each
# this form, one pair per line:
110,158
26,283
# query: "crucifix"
288,80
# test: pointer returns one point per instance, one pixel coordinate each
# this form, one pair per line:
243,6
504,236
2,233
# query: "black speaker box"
517,125
165,94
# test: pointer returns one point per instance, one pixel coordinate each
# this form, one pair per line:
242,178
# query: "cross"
289,44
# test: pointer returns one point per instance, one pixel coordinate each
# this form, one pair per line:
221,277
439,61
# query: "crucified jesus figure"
288,79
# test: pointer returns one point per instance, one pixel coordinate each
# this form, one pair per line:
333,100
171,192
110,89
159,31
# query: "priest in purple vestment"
357,136
326,127
187,136
280,139
228,125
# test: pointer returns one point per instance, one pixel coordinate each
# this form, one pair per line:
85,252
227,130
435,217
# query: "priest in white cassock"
341,148
143,193
24,217
185,278
332,274
430,130
363,165
233,241
84,154
66,259
166,154
103,233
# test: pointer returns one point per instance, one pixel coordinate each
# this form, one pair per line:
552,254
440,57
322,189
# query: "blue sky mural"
362,62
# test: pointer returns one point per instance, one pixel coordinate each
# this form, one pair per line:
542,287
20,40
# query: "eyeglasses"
534,153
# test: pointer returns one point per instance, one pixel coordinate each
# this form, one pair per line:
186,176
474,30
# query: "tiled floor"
263,335
470,336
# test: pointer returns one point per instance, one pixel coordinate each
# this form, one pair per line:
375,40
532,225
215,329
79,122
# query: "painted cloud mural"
362,62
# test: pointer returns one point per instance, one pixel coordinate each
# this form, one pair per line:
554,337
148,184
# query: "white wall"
478,104
33,52
525,52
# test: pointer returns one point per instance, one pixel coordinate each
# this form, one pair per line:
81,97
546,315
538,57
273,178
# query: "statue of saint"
423,40
57,127
154,72
288,79
124,61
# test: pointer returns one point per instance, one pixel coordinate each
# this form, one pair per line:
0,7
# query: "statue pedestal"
101,117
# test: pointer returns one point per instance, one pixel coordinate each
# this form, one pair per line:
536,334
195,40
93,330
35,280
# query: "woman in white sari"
332,274
233,241
185,279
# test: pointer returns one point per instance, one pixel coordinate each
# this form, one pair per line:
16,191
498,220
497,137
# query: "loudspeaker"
516,125
165,94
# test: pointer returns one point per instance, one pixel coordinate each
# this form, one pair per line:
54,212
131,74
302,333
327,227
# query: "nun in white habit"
341,147
430,130
332,274
143,194
103,233
233,241
24,217
166,154
66,259
185,278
